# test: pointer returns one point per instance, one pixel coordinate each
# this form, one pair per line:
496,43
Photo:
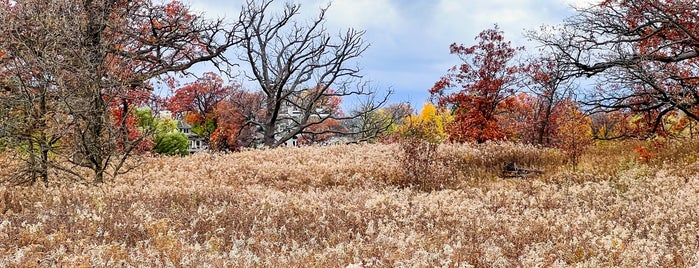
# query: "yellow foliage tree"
429,125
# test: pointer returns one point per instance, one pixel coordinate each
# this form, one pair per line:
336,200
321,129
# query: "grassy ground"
351,206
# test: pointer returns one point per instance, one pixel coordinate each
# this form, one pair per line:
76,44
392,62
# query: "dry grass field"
349,206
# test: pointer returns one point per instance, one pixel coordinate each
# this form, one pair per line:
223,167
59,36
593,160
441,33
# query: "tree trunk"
269,140
44,164
99,177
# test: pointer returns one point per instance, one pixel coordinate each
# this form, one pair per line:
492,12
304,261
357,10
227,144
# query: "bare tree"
643,52
551,85
369,126
296,66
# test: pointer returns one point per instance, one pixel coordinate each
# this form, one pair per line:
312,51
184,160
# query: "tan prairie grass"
610,159
338,207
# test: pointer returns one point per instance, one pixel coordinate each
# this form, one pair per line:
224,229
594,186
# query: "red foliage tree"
197,102
519,122
200,97
484,80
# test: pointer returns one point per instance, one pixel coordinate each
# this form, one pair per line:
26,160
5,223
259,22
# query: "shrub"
171,143
421,167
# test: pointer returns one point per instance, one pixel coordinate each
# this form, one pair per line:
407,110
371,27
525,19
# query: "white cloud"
581,3
363,14
215,8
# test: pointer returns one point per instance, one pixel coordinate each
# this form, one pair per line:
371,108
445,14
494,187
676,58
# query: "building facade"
196,143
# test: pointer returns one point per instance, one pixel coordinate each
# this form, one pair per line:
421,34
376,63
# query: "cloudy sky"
409,39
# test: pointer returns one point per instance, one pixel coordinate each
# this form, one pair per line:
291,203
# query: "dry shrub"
13,169
421,168
677,151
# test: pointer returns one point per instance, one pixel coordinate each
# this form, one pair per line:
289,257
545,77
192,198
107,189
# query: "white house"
196,143
289,118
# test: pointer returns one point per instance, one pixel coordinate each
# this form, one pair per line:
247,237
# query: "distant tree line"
73,75
77,81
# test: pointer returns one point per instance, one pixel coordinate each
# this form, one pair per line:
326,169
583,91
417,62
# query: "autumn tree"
567,127
429,125
476,89
644,54
234,120
197,101
573,130
104,56
32,96
288,59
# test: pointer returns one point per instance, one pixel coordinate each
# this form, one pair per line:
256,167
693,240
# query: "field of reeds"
624,204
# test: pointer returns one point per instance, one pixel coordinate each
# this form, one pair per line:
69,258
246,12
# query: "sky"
409,39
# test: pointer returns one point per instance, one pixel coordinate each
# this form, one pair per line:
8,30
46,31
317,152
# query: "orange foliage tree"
483,81
573,132
235,117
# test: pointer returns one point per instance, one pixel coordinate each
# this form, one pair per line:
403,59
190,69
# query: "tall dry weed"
429,166
336,207
485,162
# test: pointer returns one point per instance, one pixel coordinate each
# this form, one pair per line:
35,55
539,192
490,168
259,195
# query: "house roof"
183,125
190,135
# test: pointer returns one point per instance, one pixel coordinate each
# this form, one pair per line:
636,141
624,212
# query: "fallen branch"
512,171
